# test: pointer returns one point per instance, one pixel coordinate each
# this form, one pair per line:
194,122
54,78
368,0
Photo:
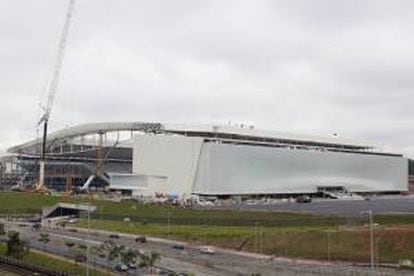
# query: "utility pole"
261,239
371,230
371,226
169,223
205,234
89,233
329,245
255,237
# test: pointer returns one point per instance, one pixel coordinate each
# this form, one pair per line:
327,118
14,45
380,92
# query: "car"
72,230
141,239
121,267
207,250
114,236
178,246
304,199
132,265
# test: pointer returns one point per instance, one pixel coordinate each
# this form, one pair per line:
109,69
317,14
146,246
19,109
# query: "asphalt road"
224,262
403,205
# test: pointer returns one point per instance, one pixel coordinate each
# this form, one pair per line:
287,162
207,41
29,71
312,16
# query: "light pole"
329,245
169,223
89,233
205,234
255,237
371,229
329,232
261,239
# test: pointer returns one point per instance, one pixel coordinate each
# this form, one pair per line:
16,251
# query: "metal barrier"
31,267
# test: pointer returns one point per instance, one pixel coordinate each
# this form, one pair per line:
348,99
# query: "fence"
216,221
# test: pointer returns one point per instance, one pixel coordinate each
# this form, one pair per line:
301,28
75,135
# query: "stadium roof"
212,131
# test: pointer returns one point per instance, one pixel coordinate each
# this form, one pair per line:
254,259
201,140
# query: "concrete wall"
246,169
171,156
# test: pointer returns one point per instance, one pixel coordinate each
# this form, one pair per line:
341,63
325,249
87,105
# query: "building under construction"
74,156
151,158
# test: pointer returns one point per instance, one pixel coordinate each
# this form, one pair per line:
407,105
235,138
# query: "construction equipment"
99,165
52,88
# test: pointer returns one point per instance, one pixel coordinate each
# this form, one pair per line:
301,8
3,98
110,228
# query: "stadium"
148,159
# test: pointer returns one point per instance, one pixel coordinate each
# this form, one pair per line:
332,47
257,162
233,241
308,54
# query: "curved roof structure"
240,133
87,129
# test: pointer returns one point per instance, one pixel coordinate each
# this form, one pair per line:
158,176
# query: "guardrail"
31,267
27,212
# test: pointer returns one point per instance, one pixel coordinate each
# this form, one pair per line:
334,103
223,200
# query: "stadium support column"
69,184
99,157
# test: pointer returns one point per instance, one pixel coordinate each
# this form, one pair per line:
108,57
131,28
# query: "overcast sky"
318,67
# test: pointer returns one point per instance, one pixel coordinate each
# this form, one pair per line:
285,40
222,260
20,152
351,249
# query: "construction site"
159,198
149,159
145,159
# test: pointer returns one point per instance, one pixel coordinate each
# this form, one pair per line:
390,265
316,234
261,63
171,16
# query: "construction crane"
52,88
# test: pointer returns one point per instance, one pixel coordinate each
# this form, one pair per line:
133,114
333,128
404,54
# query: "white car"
207,250
121,267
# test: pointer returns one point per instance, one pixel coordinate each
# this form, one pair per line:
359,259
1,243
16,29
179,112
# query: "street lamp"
261,239
169,223
255,237
329,232
371,228
89,233
205,234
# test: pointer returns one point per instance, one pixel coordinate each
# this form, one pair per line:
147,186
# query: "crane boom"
52,88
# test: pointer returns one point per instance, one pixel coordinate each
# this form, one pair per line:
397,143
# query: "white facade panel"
247,169
171,156
128,182
146,185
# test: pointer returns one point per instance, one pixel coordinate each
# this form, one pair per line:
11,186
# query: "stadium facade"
156,158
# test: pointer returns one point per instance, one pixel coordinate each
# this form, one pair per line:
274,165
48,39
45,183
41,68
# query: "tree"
115,252
79,256
2,231
44,238
107,245
16,247
82,246
129,256
79,252
96,251
148,260
70,244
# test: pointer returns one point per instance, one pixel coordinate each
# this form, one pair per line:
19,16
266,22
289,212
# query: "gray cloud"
319,67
